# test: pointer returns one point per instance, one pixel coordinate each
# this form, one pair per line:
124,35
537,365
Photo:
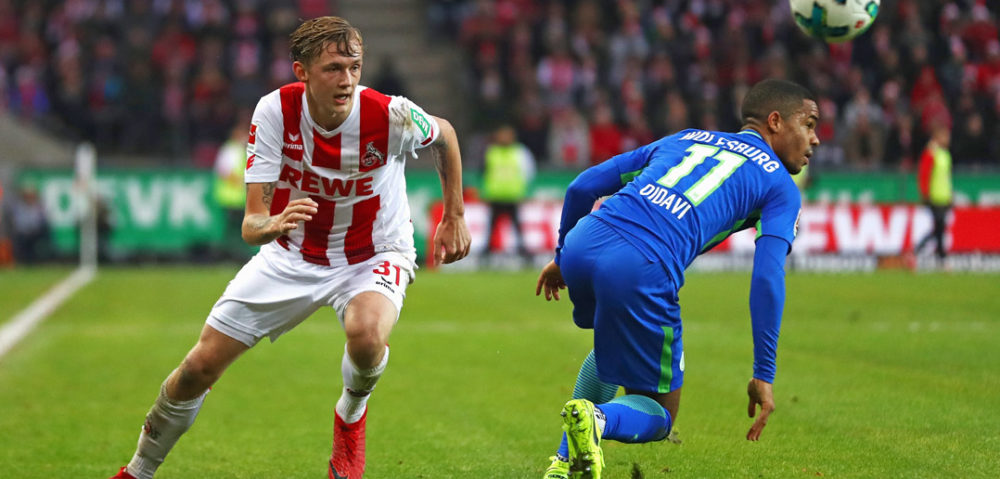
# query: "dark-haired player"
624,264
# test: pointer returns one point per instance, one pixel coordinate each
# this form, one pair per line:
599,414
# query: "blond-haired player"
326,199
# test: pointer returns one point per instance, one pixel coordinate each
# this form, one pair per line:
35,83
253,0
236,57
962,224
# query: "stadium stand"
661,66
168,77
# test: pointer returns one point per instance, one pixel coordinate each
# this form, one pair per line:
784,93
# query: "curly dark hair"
766,96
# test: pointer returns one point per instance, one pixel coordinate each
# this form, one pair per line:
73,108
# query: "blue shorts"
631,304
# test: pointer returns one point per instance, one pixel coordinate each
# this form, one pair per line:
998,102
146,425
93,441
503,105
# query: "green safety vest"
504,179
940,186
232,194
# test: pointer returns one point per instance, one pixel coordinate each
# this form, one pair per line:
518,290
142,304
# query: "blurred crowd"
581,80
585,79
164,78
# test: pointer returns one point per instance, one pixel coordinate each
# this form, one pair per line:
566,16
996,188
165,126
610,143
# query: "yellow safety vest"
231,193
940,186
504,178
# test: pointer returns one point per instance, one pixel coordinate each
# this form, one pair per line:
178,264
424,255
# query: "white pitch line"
25,321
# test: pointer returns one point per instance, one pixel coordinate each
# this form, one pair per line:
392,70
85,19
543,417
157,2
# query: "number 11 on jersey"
697,153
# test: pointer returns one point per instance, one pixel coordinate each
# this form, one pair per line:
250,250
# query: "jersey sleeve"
265,141
767,301
595,182
416,128
780,213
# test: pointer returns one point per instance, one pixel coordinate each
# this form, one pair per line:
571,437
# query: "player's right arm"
264,146
260,227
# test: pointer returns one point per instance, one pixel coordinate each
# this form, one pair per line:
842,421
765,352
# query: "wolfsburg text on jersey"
752,153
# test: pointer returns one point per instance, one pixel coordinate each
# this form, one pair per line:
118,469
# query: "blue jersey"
685,193
679,196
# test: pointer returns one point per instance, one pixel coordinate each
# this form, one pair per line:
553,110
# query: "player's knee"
366,342
367,333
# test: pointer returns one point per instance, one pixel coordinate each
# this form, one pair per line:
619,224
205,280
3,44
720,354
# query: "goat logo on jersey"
372,156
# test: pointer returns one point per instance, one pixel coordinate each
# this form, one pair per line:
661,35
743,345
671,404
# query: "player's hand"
298,210
550,281
760,394
452,239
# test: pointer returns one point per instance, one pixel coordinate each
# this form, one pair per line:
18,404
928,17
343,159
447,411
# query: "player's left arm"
767,300
776,231
451,239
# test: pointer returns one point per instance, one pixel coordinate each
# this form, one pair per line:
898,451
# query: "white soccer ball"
834,21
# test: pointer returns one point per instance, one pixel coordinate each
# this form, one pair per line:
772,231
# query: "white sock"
600,420
358,385
166,421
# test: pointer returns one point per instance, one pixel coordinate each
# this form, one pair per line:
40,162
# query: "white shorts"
276,290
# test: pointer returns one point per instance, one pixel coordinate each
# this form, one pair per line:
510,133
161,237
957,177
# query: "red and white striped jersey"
354,172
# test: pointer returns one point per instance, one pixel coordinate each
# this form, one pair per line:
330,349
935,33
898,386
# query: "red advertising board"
846,229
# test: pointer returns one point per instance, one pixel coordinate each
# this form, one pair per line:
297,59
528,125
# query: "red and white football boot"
348,459
122,474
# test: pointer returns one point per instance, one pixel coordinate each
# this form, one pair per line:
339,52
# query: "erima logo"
383,282
293,142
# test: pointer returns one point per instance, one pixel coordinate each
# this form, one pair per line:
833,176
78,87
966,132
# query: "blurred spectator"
864,141
569,140
532,122
388,80
934,181
230,190
900,144
508,168
605,135
971,145
105,227
29,226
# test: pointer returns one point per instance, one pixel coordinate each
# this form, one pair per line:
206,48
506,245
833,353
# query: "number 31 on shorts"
390,271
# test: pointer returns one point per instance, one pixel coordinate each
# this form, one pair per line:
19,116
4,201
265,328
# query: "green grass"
21,286
887,375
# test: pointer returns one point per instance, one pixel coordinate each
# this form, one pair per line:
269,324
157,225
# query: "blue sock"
588,386
634,418
563,451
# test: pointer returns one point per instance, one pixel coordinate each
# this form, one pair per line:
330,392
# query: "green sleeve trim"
629,176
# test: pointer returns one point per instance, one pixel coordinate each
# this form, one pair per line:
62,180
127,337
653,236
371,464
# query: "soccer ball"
834,21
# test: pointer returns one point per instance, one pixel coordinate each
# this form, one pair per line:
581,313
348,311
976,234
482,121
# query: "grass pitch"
884,375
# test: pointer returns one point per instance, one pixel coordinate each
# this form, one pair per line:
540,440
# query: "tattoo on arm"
257,223
439,150
268,194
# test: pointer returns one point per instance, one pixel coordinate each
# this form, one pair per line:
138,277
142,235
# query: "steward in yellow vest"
934,180
508,169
